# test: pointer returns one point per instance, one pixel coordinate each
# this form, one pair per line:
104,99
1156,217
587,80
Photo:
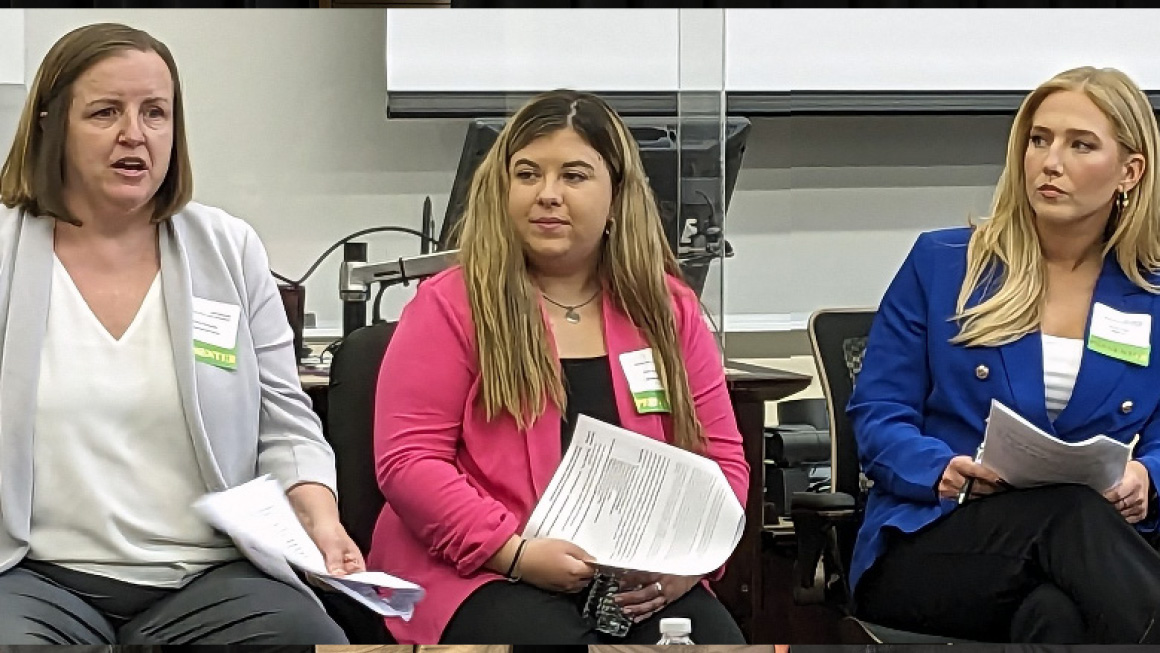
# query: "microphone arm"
355,276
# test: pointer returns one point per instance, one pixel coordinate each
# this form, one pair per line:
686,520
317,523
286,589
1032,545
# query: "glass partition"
711,148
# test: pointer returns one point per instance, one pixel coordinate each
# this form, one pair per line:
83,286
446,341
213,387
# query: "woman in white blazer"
145,359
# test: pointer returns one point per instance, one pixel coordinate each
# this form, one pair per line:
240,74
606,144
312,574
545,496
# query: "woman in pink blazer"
564,269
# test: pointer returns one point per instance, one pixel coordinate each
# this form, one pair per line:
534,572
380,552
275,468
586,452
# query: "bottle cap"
676,626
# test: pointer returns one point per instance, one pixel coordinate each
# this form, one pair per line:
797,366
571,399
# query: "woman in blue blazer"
1004,311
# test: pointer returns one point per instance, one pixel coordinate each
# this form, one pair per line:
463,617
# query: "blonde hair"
1004,259
33,174
517,378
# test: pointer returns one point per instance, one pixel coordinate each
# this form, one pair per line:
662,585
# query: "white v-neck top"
115,471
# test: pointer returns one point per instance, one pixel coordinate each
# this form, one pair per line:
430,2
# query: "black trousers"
968,648
1055,565
233,603
157,648
519,613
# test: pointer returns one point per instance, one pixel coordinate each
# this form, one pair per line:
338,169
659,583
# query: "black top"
588,382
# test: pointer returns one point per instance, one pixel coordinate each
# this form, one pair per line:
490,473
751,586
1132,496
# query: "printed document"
257,515
1025,456
635,503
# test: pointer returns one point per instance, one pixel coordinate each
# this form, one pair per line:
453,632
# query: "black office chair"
797,454
354,373
826,524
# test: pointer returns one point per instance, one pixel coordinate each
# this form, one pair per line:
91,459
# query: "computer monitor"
683,172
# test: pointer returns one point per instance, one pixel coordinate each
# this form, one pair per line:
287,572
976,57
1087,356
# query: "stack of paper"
1025,456
257,515
635,503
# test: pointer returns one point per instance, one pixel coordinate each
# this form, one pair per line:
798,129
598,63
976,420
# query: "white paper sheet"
639,504
1026,456
257,515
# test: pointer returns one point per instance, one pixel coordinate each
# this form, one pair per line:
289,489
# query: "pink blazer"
457,486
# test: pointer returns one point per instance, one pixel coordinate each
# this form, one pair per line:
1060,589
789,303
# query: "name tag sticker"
1126,336
215,333
648,392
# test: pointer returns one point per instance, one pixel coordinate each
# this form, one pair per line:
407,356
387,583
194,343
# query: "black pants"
967,648
233,603
156,648
1048,565
518,613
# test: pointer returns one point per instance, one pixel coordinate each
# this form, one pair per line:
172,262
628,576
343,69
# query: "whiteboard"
932,49
11,46
764,50
528,50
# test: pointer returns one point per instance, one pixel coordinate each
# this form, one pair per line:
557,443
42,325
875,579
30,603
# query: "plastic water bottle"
675,630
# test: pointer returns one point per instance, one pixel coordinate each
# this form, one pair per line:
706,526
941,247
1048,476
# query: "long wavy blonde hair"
1004,258
519,372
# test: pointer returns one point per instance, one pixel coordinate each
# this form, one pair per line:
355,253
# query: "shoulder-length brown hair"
33,175
517,378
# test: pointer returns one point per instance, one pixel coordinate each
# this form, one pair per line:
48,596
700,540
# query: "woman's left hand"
651,592
317,510
1130,496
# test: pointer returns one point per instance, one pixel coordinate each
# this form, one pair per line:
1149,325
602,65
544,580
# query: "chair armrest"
814,514
821,502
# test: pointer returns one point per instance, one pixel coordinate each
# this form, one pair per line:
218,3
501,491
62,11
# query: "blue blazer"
919,400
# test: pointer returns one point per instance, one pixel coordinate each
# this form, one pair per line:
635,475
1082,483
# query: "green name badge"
648,393
1120,335
216,356
215,333
1122,351
651,401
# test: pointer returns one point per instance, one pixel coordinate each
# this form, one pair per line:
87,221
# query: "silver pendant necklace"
570,313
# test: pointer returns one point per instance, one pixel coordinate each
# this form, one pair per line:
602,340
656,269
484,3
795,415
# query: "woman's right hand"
555,565
958,470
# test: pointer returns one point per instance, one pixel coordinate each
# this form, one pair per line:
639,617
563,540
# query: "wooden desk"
741,588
